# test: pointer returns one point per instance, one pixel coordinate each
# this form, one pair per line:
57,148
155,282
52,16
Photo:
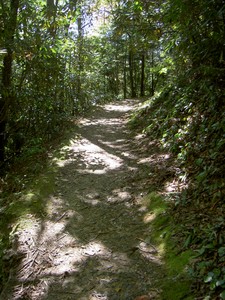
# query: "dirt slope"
94,241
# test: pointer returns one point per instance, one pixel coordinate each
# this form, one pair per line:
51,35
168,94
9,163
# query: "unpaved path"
94,241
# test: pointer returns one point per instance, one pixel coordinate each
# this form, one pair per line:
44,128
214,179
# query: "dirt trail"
93,242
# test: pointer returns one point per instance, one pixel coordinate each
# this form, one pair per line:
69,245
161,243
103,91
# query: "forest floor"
92,237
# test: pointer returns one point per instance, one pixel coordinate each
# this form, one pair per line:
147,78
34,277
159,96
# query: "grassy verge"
177,283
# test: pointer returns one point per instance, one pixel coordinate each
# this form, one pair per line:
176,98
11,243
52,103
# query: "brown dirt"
94,241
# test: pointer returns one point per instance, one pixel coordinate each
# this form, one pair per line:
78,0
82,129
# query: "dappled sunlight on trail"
93,241
94,158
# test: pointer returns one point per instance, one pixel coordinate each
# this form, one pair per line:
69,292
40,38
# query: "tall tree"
9,24
135,28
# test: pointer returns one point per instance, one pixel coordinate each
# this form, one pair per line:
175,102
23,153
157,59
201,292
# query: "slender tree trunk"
80,58
6,93
143,75
50,7
2,128
131,69
125,77
125,73
117,88
152,77
51,14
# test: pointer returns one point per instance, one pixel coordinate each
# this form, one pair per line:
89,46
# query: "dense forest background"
58,58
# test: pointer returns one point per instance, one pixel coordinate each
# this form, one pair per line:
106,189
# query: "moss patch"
177,282
32,201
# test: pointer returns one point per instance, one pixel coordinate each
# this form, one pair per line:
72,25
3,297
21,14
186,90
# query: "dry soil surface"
94,241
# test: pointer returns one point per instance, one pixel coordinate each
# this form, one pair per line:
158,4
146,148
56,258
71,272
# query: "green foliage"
187,116
61,69
173,50
177,281
54,72
23,190
197,139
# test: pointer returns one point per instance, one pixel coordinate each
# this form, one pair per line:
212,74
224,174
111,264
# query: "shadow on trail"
94,242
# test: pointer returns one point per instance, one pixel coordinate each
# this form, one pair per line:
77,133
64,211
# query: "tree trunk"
80,58
152,77
125,77
2,129
131,69
6,93
142,75
51,15
117,87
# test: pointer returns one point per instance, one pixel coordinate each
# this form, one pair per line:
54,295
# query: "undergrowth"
177,282
194,133
21,175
